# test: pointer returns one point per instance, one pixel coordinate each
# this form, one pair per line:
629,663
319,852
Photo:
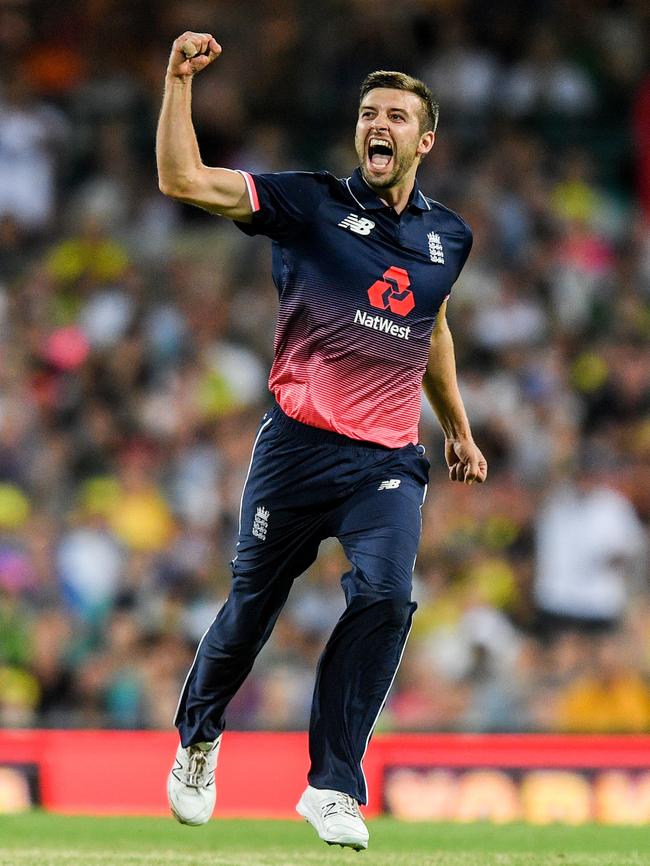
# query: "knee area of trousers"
394,609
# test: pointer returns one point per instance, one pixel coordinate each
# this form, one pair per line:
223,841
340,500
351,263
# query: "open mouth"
380,153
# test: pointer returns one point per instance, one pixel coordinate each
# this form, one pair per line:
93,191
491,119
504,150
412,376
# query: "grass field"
39,839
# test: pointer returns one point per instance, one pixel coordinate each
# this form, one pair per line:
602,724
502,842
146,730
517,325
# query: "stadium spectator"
590,547
610,696
33,134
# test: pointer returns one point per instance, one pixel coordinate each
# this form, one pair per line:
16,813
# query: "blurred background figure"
590,553
135,340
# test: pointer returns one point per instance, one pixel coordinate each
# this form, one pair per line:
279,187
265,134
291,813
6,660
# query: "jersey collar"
367,198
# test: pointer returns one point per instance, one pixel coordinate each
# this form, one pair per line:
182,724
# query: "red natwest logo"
393,293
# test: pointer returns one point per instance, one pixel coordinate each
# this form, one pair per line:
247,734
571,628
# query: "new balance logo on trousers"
391,484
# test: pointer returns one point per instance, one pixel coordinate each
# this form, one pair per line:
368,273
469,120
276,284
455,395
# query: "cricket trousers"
304,485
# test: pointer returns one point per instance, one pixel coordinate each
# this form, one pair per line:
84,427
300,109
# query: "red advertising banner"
536,778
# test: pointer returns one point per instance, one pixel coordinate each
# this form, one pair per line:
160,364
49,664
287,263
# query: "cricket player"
363,266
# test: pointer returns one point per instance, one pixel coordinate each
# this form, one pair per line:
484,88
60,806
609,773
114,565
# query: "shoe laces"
342,804
197,768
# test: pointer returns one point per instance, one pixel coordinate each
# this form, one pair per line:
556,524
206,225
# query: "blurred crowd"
136,336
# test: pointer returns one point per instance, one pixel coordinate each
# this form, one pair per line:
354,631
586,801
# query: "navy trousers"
305,485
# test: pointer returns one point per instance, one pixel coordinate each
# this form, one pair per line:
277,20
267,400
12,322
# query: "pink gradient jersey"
359,287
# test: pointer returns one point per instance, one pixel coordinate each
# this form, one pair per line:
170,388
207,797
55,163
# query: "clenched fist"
465,461
191,53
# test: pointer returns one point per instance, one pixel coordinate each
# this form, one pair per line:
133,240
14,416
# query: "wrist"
459,436
176,79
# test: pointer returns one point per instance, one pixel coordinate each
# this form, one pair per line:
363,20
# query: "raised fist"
191,53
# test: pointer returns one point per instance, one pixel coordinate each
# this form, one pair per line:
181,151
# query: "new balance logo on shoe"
391,484
190,785
335,816
358,225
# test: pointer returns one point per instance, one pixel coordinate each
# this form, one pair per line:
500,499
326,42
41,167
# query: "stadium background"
136,335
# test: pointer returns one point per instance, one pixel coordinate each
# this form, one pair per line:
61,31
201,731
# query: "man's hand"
465,461
181,65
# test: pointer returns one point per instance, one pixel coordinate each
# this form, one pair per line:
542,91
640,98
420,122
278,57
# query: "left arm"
464,459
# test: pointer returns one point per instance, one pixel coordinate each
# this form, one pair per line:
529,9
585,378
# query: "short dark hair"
402,81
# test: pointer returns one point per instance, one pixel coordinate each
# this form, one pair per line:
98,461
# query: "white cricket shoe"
190,785
335,817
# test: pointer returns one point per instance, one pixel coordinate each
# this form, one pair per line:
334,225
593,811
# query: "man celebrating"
363,267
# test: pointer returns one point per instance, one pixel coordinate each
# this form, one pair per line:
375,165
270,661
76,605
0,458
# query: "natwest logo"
392,292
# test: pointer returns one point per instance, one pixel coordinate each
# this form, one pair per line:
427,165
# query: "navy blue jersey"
360,287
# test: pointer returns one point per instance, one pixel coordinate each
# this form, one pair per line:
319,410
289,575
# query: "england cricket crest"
261,523
436,252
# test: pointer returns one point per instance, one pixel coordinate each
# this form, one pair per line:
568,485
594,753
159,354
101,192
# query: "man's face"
388,140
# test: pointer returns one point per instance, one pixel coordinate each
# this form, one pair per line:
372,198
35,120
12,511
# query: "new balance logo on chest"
436,252
358,225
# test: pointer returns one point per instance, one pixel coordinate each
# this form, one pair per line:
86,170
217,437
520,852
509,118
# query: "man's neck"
396,196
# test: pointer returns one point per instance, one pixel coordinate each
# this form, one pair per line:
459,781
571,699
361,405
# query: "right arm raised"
181,174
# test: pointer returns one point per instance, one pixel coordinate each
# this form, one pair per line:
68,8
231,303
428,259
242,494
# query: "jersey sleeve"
466,249
282,203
